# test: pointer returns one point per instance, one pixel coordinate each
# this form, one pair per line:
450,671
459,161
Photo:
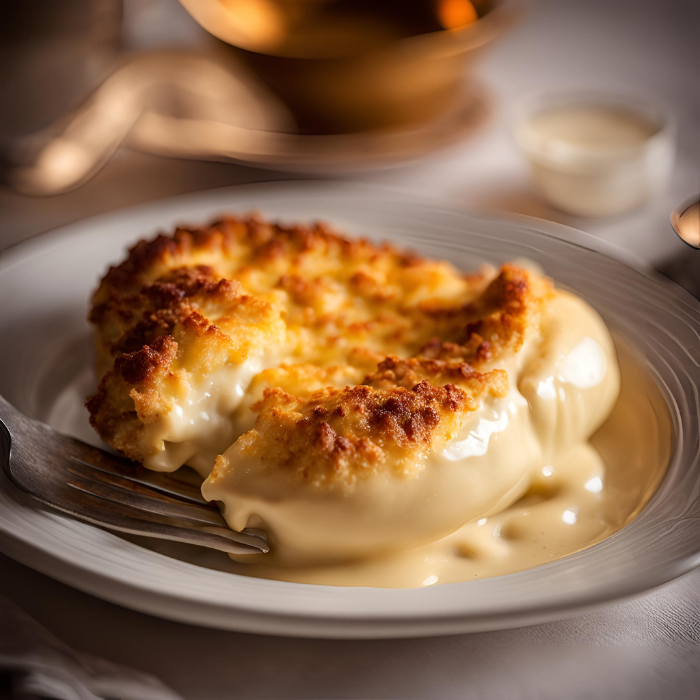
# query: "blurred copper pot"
343,67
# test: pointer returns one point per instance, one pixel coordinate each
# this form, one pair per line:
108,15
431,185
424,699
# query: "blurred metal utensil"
185,85
684,268
189,105
52,55
686,222
99,488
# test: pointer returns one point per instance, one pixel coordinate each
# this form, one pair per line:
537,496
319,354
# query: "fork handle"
9,413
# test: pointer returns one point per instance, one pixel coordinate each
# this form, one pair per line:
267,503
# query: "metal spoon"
686,222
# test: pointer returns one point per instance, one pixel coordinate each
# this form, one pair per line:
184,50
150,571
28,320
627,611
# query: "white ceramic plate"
44,352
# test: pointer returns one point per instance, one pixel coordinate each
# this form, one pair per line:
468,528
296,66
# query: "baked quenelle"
351,399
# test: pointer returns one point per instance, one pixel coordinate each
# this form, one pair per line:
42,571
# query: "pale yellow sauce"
521,472
198,428
563,384
596,159
574,501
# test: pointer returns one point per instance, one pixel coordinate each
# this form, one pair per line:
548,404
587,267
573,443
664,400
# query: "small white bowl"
596,154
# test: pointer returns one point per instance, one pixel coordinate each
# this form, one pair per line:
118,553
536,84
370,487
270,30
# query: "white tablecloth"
646,648
642,649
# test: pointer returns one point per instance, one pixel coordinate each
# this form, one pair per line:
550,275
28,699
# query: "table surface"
651,644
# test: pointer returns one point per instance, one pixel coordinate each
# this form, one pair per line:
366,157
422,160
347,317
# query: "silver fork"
100,488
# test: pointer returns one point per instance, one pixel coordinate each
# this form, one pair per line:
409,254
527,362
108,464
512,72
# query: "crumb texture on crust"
340,435
362,355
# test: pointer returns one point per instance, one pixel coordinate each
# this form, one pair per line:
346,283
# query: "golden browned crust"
378,353
242,242
144,385
132,384
163,280
340,435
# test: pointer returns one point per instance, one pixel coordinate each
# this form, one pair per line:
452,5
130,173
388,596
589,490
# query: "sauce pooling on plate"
573,502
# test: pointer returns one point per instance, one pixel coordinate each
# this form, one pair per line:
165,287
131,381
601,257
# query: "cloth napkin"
34,664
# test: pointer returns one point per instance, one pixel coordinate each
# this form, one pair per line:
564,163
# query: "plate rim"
321,625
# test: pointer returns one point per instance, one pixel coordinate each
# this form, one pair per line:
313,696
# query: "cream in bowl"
596,155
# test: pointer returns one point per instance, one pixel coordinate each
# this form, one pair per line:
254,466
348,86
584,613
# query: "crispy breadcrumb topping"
368,356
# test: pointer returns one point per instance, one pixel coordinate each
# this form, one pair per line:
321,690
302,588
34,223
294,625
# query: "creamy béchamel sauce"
189,431
532,486
562,386
572,502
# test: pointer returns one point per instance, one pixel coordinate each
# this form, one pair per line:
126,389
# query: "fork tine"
103,492
138,496
137,484
166,483
91,508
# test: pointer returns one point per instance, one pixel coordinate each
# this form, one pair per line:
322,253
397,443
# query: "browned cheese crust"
377,353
